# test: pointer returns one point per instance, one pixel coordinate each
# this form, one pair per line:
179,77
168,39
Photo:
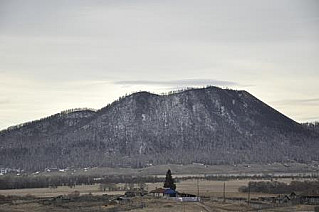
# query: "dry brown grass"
61,190
209,189
206,188
193,170
150,204
215,188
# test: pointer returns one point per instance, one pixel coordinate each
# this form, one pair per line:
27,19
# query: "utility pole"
248,194
224,192
197,188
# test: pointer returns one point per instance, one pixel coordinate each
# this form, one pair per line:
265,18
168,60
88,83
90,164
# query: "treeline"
275,187
211,126
312,126
27,181
226,177
34,122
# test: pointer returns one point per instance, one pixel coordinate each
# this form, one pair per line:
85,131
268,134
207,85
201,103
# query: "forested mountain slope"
209,125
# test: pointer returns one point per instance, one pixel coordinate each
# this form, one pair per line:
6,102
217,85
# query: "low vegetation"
275,187
30,181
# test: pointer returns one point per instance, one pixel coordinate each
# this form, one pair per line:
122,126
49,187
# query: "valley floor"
146,204
91,198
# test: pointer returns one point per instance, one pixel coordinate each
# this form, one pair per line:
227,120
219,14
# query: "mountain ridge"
209,125
75,110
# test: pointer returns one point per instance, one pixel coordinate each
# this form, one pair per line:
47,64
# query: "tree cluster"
107,182
169,181
275,187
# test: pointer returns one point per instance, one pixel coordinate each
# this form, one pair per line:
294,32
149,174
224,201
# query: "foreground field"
61,190
93,199
137,204
206,188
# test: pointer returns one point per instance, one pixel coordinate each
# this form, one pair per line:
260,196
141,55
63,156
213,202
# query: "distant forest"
29,181
313,126
209,126
275,187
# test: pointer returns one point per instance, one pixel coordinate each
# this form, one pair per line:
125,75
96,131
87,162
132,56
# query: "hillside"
209,125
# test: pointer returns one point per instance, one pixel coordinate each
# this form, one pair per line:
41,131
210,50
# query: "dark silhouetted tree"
169,181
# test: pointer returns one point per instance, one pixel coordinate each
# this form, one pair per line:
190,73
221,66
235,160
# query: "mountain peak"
208,125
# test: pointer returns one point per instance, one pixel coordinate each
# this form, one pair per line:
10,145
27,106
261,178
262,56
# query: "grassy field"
208,188
211,191
138,204
189,170
33,199
61,190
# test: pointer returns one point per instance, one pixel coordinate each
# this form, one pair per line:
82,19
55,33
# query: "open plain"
212,193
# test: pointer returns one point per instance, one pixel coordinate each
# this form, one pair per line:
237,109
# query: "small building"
135,193
309,199
186,195
54,169
267,199
282,199
123,200
3,171
158,192
170,193
187,199
295,199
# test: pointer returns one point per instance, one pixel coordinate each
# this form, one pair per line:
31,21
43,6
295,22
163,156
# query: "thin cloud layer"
298,101
53,54
184,82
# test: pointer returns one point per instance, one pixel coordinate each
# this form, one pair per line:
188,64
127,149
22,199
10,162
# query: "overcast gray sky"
62,54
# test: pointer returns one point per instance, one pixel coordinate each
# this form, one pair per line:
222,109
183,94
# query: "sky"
63,54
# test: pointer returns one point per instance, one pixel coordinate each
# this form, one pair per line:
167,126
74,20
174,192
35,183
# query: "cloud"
4,101
183,82
297,101
310,119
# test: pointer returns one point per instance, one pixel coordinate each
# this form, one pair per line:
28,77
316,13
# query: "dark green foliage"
29,181
314,127
169,181
275,187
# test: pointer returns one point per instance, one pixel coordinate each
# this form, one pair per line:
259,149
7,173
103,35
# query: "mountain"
209,125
